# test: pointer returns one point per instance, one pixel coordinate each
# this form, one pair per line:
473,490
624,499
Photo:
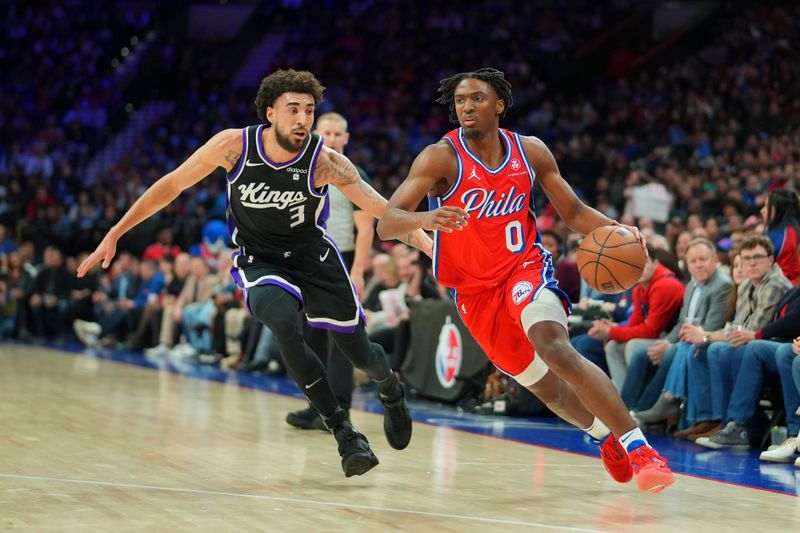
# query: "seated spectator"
18,280
49,301
162,247
81,292
595,305
766,350
691,352
148,332
657,298
114,304
566,269
197,289
7,245
716,369
781,214
703,304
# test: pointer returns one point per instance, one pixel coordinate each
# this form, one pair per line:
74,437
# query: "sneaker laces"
647,454
352,436
612,452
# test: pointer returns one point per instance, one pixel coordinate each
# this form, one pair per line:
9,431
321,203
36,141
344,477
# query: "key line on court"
299,501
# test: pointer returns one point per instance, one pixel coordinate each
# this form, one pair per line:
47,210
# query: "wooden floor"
94,445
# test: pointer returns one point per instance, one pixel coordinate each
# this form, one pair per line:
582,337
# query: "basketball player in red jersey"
479,181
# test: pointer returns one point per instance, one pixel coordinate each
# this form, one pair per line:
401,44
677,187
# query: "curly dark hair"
495,78
285,81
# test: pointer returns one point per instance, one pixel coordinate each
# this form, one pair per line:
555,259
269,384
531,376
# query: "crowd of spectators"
702,152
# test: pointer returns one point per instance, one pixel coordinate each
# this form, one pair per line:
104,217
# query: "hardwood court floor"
95,445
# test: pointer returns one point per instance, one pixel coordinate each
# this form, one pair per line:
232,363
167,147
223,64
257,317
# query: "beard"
471,133
288,143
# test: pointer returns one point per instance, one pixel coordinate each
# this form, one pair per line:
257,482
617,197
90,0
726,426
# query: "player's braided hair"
285,81
495,78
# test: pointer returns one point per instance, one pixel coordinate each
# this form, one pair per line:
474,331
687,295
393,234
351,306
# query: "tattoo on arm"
232,157
337,170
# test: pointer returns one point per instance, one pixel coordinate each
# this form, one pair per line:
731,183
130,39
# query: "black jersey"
274,207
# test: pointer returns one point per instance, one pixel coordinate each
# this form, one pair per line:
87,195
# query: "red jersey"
501,232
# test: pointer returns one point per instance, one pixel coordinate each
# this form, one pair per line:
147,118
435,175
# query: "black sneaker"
357,457
308,418
396,420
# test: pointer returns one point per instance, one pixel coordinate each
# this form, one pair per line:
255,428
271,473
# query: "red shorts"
493,316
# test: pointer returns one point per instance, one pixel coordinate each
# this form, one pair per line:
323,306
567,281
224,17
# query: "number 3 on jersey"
298,216
515,240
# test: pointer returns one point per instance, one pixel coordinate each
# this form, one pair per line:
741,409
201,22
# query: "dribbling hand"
636,233
104,252
446,219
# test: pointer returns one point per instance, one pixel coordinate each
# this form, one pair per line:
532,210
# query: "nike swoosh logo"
249,164
324,256
309,386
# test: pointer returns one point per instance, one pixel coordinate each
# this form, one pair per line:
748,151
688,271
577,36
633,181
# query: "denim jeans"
644,380
788,364
724,361
698,381
197,325
677,379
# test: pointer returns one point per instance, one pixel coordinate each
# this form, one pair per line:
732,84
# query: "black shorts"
315,275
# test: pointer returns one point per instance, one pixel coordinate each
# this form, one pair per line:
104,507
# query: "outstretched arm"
336,169
428,174
222,150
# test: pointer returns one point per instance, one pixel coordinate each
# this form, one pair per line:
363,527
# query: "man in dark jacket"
50,298
767,349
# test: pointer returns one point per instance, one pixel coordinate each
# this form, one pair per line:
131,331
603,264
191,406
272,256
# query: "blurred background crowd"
682,118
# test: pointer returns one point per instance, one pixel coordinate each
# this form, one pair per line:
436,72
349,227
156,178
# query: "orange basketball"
611,259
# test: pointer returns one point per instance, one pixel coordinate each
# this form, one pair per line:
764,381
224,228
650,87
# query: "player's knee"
284,328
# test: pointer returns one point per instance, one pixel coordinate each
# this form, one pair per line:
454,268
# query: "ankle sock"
598,430
633,439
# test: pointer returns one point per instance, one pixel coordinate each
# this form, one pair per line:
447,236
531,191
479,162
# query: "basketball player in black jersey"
289,269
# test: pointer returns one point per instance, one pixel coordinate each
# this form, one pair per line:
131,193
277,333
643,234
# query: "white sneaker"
783,453
87,332
157,352
183,351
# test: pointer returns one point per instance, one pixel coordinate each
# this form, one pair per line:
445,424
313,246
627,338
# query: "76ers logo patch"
448,354
515,164
521,291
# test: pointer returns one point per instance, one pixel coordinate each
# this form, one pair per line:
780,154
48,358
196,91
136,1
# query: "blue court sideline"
736,467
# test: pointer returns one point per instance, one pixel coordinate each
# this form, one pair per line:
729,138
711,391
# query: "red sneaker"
652,472
615,459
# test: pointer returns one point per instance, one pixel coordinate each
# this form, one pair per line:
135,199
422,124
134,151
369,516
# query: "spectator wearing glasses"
756,300
767,351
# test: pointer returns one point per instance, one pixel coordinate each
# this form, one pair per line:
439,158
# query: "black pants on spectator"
51,322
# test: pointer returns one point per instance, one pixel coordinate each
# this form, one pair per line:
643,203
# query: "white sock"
633,439
597,430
